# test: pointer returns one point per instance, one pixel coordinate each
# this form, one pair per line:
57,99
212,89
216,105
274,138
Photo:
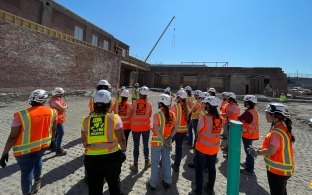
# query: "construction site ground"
65,175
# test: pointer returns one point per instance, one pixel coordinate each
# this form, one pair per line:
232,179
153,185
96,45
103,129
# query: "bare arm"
121,139
268,151
11,139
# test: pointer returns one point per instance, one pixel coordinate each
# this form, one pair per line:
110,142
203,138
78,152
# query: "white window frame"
123,52
78,33
95,40
106,45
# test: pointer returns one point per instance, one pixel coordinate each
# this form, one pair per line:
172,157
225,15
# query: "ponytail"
184,108
124,100
288,123
168,118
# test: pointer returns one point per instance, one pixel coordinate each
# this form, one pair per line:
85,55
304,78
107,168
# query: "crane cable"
173,38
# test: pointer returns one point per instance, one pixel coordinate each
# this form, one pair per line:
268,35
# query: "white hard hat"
39,95
231,95
250,98
144,90
122,88
102,96
212,90
165,99
224,93
212,100
125,93
204,94
167,90
103,82
136,84
58,91
188,88
197,92
279,108
182,94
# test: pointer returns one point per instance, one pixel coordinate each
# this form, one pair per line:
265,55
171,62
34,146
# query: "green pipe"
233,164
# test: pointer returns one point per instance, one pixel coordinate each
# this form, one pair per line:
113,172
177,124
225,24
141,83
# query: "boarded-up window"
78,34
95,40
164,79
189,80
106,45
216,82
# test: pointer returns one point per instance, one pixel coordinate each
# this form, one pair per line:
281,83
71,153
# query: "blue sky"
245,33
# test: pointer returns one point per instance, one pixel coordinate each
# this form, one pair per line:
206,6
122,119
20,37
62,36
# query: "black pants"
277,183
99,167
127,132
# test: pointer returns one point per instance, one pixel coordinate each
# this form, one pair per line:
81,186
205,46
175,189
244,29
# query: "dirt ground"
64,175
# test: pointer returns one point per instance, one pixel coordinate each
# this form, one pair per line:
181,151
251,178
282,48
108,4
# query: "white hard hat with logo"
250,98
182,94
212,100
58,91
103,82
102,96
231,95
144,90
212,90
278,108
197,92
165,99
204,95
38,95
125,93
188,88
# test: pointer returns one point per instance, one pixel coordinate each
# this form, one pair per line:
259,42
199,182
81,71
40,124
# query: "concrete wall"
29,60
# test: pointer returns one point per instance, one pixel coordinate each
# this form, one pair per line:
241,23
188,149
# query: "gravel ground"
64,175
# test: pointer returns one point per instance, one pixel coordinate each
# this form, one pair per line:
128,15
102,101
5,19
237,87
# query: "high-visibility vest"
282,162
124,112
141,117
61,116
251,131
134,94
98,131
223,106
208,141
235,111
165,128
36,127
181,122
190,103
196,114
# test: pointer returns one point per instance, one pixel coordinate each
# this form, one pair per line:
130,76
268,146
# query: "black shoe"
209,191
149,187
60,152
244,171
36,186
194,193
191,165
175,168
166,185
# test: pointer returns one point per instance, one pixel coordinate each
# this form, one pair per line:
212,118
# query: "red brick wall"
29,60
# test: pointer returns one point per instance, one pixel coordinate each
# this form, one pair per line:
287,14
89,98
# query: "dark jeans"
250,161
31,167
192,125
99,167
277,183
178,138
201,160
59,135
136,144
127,132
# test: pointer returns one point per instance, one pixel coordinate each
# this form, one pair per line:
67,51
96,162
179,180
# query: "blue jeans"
60,134
192,125
162,153
250,161
31,167
201,160
178,139
136,144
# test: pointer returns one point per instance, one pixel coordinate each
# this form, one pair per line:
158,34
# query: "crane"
159,38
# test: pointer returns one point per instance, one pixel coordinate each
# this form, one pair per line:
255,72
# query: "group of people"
195,116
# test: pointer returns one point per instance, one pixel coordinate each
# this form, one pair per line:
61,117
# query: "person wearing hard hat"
250,132
277,148
190,102
212,91
105,145
222,107
56,102
207,145
168,92
195,114
140,125
30,136
135,92
124,109
102,84
163,131
179,108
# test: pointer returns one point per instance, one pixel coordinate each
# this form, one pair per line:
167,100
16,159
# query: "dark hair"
168,117
230,98
251,104
189,93
101,108
185,108
143,96
288,124
33,103
100,87
213,93
124,100
213,110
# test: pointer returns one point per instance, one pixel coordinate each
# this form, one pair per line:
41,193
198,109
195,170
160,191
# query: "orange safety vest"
60,114
177,109
91,104
196,114
98,132
124,111
282,162
36,125
223,106
141,117
235,111
190,103
251,131
165,129
208,141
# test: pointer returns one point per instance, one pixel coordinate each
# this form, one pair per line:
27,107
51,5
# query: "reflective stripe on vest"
182,127
286,166
141,121
251,131
27,146
100,136
197,113
164,130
